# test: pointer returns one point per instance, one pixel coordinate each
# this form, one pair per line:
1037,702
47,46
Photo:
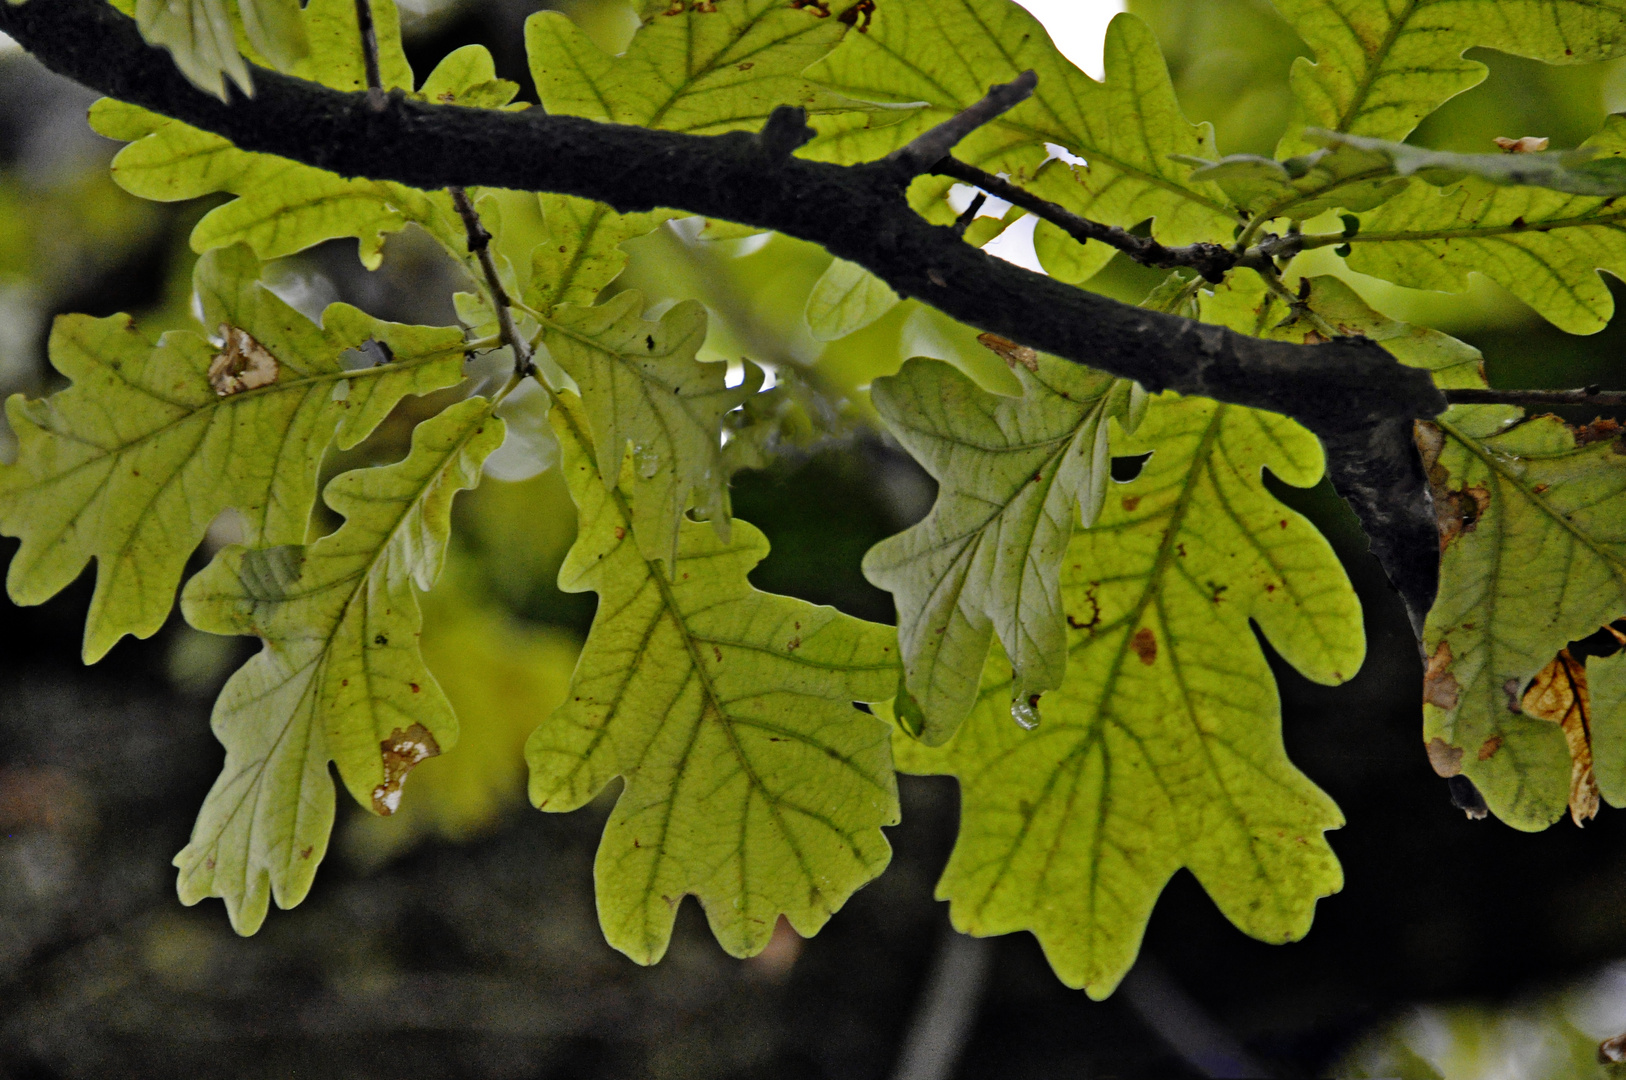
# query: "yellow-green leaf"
642,386
1382,65
283,206
201,36
1533,535
131,463
845,299
1162,748
340,677
698,68
1014,474
944,54
1544,246
751,781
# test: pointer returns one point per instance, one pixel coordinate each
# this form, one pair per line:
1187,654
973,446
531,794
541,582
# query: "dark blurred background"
459,938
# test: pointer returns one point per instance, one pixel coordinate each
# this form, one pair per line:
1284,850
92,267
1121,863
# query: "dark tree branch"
1587,395
930,147
1350,392
1212,261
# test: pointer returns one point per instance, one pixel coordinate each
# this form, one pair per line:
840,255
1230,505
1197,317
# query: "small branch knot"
785,132
930,147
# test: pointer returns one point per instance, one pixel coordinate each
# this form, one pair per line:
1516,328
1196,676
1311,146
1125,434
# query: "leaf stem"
369,54
1300,308
480,247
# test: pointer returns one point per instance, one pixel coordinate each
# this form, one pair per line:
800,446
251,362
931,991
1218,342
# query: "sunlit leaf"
1163,747
1014,476
1381,66
1543,246
340,677
131,463
751,781
845,299
944,54
283,206
642,386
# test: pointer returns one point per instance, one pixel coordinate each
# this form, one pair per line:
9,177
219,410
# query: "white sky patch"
1078,27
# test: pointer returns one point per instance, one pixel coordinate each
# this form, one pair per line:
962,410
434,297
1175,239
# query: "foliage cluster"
1075,650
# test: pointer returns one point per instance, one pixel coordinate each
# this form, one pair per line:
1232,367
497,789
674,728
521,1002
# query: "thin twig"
369,54
480,247
930,147
1212,261
1587,395
1298,305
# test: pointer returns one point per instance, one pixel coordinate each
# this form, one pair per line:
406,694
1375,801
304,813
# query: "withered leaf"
244,364
401,751
1009,351
1559,694
1528,144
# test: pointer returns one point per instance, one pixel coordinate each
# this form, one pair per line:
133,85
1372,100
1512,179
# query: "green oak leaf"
708,69
1606,679
284,206
1162,748
698,68
1572,171
1014,474
1382,65
201,36
845,299
946,53
1533,537
131,463
582,252
1546,247
751,781
340,677
1302,187
641,385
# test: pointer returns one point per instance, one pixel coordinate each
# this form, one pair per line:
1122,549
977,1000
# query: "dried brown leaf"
244,364
1559,694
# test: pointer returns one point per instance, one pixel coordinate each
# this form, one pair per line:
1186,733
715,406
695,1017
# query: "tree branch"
1212,261
1587,395
1350,392
930,147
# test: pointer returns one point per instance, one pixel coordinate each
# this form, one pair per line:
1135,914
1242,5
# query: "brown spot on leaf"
1446,759
1009,351
1559,694
1488,749
1600,430
620,533
1144,643
1528,144
305,852
1131,503
1440,687
403,750
1455,512
244,364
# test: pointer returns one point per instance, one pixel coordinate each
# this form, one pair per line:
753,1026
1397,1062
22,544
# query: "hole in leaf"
1125,469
